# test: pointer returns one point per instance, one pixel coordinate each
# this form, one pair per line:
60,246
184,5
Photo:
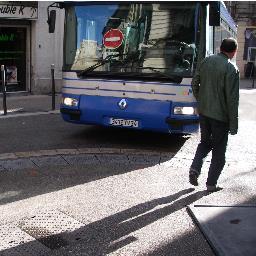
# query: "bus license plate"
124,122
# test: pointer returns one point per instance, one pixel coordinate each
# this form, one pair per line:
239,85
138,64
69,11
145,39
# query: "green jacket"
216,88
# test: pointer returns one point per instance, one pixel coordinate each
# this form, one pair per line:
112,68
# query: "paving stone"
17,164
2,168
165,159
81,159
49,161
112,158
141,159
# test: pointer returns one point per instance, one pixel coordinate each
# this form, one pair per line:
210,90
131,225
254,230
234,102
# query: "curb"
55,152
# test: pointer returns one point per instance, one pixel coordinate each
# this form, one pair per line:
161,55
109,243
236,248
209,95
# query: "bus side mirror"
51,21
214,14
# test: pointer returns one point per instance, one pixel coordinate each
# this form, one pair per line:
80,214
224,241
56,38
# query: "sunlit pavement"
103,202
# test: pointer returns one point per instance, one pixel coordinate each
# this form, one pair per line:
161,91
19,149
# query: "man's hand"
233,132
233,126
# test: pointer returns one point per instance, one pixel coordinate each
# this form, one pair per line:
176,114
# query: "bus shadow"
127,138
59,172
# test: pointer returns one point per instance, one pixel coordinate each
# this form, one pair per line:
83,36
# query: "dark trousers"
214,137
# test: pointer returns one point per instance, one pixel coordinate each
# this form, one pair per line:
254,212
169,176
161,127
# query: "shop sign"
7,37
18,11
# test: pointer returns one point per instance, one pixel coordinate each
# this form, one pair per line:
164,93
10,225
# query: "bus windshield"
142,38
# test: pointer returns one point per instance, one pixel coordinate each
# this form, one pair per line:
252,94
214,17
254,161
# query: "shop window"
13,57
251,54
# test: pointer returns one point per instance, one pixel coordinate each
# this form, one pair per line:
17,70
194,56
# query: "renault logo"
122,104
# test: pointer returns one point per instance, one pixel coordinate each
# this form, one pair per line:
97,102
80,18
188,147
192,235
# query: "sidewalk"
246,83
29,104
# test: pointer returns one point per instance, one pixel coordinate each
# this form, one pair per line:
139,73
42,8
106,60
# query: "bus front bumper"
179,123
74,114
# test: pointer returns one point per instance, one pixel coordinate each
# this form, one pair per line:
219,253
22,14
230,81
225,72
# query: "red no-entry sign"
113,38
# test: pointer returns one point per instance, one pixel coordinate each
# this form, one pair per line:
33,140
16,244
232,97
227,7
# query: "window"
251,54
160,39
13,56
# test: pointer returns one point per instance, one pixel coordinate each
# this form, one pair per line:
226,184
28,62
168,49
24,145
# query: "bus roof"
225,15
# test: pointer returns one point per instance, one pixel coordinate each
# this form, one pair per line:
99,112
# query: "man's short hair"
228,45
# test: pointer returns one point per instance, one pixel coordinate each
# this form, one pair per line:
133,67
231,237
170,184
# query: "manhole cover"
15,242
54,229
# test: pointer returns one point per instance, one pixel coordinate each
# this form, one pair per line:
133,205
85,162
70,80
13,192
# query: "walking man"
216,88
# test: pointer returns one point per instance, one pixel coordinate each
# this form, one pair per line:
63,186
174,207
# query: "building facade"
244,14
27,50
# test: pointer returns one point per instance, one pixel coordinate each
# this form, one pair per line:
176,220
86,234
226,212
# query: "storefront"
250,51
15,43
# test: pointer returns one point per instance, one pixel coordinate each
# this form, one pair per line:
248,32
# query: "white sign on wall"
18,11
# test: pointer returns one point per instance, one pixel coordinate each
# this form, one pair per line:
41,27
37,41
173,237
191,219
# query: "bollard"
3,89
53,87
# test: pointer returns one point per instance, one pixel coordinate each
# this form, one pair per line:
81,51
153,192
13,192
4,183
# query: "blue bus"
130,64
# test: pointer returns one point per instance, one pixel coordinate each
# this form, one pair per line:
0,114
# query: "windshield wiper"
130,57
108,59
175,78
98,64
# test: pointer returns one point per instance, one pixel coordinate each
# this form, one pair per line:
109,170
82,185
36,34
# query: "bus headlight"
184,110
71,102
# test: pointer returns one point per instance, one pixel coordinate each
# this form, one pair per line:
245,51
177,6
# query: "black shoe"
213,188
193,179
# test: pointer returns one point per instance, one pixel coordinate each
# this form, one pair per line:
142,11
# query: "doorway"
13,55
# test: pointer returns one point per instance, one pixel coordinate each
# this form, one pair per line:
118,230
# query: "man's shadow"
114,232
124,223
111,233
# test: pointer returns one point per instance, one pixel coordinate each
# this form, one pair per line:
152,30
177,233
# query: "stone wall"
244,14
46,49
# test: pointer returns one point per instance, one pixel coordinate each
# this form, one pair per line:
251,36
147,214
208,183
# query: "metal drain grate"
15,242
54,229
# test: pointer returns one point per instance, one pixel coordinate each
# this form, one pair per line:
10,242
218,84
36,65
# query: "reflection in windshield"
161,37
